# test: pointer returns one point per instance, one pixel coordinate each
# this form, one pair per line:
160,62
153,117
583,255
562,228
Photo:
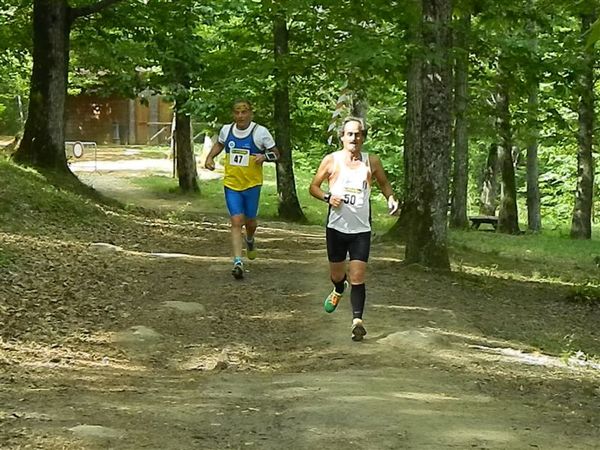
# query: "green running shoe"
358,330
251,249
333,299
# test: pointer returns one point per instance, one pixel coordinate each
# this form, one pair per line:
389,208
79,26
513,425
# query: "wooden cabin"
119,121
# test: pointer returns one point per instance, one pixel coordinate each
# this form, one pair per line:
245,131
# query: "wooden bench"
476,221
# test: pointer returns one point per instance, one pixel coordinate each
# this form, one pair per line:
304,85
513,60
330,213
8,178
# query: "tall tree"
460,174
581,224
289,206
43,143
508,219
428,195
181,73
534,218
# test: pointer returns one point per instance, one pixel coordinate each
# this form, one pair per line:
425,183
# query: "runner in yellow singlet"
247,146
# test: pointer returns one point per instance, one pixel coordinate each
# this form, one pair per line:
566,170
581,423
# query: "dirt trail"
197,360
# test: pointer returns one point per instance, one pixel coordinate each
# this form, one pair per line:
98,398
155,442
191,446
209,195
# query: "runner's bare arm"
210,158
322,174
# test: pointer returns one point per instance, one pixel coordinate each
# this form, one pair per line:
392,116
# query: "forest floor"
134,335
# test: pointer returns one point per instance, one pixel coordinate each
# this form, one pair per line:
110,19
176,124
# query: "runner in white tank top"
350,180
349,173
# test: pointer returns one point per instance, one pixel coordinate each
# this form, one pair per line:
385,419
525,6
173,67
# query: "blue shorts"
243,202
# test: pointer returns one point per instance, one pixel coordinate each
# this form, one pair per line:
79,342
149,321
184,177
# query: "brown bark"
534,218
43,143
428,195
507,216
289,205
186,161
92,8
581,223
460,175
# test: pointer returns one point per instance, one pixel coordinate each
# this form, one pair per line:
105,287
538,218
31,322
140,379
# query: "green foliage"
584,294
593,34
205,54
13,91
15,64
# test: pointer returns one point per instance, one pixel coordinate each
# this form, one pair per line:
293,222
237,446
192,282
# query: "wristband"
326,197
271,156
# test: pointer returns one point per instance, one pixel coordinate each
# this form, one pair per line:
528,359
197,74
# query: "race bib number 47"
239,157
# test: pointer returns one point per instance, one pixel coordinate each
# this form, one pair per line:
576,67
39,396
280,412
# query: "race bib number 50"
353,196
239,157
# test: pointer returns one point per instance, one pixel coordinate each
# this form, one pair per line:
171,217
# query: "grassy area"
553,247
549,256
28,200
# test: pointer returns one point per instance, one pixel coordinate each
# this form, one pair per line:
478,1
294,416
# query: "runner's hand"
393,205
260,158
335,201
209,164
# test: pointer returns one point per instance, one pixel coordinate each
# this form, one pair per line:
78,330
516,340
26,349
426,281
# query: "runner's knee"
357,272
237,221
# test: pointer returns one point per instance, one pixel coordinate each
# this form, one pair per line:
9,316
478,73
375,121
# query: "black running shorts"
339,245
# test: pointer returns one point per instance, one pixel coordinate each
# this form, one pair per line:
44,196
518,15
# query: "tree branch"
91,9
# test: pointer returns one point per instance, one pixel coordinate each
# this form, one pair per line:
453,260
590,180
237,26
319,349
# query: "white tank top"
353,184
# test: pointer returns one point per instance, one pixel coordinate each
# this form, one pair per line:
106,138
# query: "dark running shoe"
251,249
238,270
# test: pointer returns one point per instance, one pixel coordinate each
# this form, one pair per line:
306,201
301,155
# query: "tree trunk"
534,218
581,224
43,143
460,176
489,187
412,129
289,206
186,161
428,198
508,221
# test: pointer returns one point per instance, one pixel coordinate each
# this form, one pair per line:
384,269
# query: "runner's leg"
251,200
237,222
359,255
358,293
235,205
